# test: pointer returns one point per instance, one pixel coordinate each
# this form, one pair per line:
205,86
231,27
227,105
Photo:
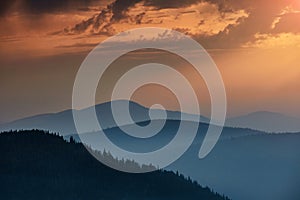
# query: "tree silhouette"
36,164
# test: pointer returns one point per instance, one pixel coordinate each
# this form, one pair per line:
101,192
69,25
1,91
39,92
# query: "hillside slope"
38,165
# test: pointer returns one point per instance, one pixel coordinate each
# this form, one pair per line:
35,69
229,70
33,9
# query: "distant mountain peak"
265,112
63,123
266,121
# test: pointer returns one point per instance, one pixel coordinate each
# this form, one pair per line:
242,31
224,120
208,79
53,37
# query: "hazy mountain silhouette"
260,167
266,121
37,165
245,164
63,123
160,139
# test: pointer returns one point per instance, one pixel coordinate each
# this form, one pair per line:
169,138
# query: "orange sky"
255,44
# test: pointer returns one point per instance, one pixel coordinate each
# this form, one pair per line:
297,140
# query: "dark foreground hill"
38,165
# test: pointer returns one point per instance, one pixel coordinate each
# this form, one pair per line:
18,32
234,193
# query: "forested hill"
38,165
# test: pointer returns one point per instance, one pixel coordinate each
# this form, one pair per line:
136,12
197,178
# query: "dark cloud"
120,7
88,9
5,6
138,18
101,23
116,11
188,12
170,3
98,24
41,6
81,27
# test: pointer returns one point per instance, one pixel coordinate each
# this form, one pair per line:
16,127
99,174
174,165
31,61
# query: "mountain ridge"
63,123
272,122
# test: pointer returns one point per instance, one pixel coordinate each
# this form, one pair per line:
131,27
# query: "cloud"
5,6
195,18
120,7
78,45
41,6
288,23
101,23
98,24
287,40
214,23
261,16
170,3
117,11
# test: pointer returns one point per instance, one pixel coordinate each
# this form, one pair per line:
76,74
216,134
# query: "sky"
255,44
